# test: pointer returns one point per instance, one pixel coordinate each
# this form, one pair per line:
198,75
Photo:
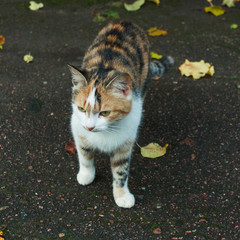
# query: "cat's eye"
105,113
81,109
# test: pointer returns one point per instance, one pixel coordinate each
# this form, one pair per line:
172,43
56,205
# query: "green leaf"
135,6
101,17
234,26
112,14
117,4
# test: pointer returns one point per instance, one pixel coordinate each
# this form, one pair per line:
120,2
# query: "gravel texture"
190,193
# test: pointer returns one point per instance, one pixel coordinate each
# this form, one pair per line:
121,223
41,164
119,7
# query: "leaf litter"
2,41
154,31
134,6
35,6
153,150
196,69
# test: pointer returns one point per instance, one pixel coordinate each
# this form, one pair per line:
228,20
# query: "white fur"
91,98
103,139
86,175
125,201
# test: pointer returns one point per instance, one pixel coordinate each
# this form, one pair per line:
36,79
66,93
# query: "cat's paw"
86,176
126,201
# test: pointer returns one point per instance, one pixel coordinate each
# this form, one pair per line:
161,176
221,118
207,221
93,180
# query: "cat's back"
123,47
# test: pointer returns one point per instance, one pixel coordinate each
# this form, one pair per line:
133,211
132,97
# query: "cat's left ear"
78,79
121,83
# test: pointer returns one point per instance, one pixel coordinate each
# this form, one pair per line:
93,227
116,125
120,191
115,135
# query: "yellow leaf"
155,55
229,3
215,10
153,150
155,1
154,31
28,58
196,69
135,6
35,6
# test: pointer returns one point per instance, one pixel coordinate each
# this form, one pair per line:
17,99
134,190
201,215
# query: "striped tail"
159,67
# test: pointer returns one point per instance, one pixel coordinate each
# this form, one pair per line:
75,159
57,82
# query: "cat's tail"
159,67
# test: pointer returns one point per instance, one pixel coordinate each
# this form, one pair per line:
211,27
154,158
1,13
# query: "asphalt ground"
192,192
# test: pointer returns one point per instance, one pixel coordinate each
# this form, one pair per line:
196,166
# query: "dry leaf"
215,10
155,1
28,58
35,6
61,235
157,231
155,55
196,69
154,31
229,3
2,41
70,147
153,150
135,6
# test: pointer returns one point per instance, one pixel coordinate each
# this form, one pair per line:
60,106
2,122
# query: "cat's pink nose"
90,128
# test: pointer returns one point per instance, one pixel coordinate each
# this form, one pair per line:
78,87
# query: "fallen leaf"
112,14
61,235
234,26
155,55
135,6
4,208
35,6
154,31
155,1
157,231
196,69
28,58
215,10
153,150
229,3
101,17
70,147
2,41
116,4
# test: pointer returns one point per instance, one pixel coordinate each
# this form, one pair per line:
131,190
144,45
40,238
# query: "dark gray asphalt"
190,193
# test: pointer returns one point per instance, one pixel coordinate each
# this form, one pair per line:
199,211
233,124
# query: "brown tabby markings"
123,47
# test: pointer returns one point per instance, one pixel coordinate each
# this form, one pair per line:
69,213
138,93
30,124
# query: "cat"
107,102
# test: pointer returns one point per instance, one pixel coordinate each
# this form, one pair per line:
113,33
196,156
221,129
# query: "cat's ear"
78,79
121,83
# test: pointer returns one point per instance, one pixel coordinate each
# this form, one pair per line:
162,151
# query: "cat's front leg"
120,162
86,172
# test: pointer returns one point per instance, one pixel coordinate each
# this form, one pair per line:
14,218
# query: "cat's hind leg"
120,162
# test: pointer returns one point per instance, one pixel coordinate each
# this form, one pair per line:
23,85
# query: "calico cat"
107,100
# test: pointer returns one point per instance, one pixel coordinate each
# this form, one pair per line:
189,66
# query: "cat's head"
100,103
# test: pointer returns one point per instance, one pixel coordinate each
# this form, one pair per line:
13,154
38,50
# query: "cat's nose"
90,128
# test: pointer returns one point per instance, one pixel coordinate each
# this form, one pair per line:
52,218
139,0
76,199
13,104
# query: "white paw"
86,176
126,201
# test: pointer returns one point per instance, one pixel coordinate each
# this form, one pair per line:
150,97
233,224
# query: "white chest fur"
107,141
